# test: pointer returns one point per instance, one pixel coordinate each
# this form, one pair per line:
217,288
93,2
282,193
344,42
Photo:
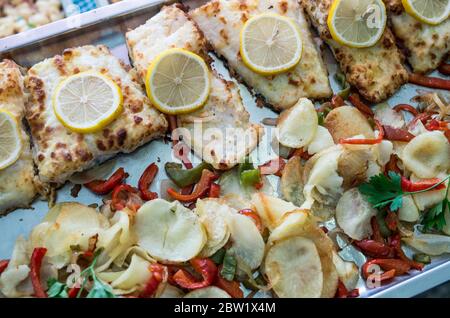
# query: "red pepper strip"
252,214
397,134
35,271
376,234
300,153
356,101
437,125
200,190
447,134
375,249
3,264
391,221
125,196
231,287
432,82
181,151
401,267
146,180
324,229
423,117
407,108
337,101
214,190
73,292
444,68
396,244
150,288
365,141
203,266
342,291
392,165
103,187
274,166
386,276
409,186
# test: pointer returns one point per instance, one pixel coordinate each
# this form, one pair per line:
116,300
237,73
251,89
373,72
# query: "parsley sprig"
386,191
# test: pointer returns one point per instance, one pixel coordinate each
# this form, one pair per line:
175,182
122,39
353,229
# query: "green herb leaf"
56,289
229,265
100,290
383,190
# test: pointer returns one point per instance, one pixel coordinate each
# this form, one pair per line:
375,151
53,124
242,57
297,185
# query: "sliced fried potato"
347,271
408,212
291,183
322,140
352,166
247,241
427,154
208,292
302,223
270,209
213,215
428,199
294,268
346,122
170,291
168,231
297,126
137,274
353,214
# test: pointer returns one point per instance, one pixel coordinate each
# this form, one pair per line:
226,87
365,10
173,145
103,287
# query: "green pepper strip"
248,175
185,177
341,80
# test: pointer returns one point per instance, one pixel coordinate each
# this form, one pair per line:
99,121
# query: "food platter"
107,26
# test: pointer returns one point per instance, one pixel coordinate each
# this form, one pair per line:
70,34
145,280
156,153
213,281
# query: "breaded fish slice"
377,72
222,20
426,45
17,187
223,112
60,152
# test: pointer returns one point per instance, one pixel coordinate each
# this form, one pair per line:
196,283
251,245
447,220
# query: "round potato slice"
208,292
270,209
297,126
291,182
346,122
294,268
347,271
136,274
213,215
353,214
168,231
352,166
427,154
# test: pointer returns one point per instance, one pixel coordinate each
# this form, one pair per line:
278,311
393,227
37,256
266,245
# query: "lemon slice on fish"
87,102
357,23
10,141
270,44
178,82
429,12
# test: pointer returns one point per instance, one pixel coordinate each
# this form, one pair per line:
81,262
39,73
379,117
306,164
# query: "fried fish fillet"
222,20
17,187
59,152
377,72
223,115
426,45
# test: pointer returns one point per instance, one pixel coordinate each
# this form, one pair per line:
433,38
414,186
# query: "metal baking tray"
107,25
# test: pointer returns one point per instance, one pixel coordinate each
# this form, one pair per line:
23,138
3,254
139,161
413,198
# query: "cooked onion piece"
247,242
322,140
353,214
208,292
294,268
427,154
17,270
168,231
270,209
408,212
213,215
347,121
297,126
347,271
431,244
137,274
383,152
291,182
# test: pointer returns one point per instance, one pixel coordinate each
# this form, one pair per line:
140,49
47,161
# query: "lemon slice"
270,44
87,102
10,141
430,12
178,82
357,23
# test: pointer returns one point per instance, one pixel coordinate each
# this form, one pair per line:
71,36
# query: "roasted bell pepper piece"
3,265
73,292
365,141
396,244
444,68
231,287
252,214
200,190
214,190
342,291
146,180
375,249
103,187
205,267
274,166
356,101
409,186
337,101
35,271
184,178
181,151
392,165
151,286
376,233
391,220
397,134
125,196
250,177
427,81
406,107
399,266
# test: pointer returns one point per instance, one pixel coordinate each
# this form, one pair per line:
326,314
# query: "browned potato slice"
352,166
346,122
292,182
